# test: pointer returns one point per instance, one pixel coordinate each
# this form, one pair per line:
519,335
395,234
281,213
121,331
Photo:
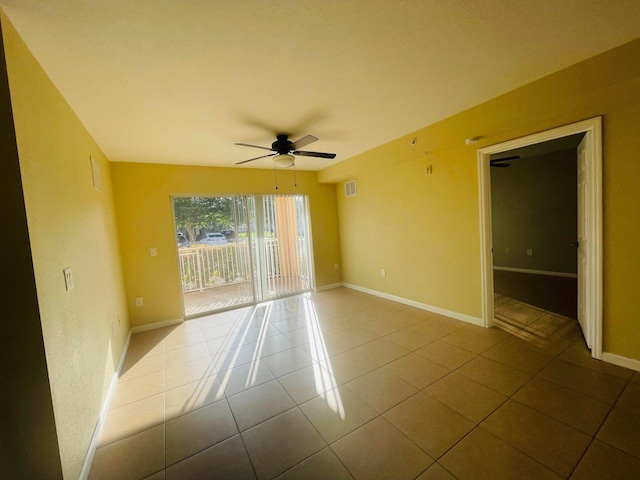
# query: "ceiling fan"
284,150
498,162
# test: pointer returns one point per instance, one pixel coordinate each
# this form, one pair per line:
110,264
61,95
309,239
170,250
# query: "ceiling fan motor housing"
282,145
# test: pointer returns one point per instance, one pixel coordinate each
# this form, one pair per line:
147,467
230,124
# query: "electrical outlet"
529,252
153,251
68,279
118,319
383,273
139,302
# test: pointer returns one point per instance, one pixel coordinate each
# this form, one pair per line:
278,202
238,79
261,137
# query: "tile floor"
344,385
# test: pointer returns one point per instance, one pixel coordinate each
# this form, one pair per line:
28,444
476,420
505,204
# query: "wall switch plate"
383,273
68,279
529,252
153,251
139,302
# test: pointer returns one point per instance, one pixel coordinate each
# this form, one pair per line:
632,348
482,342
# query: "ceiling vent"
350,188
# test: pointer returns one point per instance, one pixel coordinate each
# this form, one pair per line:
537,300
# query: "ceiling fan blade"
303,142
499,165
314,154
256,158
506,159
254,146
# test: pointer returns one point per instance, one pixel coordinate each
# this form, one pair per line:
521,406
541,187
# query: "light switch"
153,251
68,279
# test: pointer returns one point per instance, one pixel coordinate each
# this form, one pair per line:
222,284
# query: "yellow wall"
142,194
424,229
70,225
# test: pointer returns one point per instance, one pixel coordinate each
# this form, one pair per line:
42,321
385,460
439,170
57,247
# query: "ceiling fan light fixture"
284,160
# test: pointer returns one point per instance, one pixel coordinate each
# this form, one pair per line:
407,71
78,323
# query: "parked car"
182,240
213,239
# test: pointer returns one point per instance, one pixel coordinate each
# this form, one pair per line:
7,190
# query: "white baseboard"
93,444
537,272
328,287
621,361
153,326
421,306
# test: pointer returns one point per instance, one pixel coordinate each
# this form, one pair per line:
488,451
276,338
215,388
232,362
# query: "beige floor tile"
281,442
292,323
495,375
244,377
259,404
550,442
228,359
381,351
184,328
348,365
132,418
482,456
136,456
600,386
621,429
355,336
186,354
378,450
410,339
446,354
436,472
300,336
188,372
417,370
198,430
324,465
231,341
142,367
220,331
156,476
604,462
578,354
337,413
382,326
192,396
323,346
630,398
381,389
182,341
513,355
307,383
434,328
271,345
576,410
228,460
433,426
288,361
476,339
409,316
138,351
465,396
129,391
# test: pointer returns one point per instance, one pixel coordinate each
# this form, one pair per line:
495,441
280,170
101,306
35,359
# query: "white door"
583,244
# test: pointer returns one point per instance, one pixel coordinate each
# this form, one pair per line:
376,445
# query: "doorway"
240,250
589,223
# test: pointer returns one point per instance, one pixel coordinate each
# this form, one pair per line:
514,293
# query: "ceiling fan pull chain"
275,174
295,178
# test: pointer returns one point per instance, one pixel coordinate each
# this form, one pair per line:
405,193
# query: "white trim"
328,287
537,272
593,277
621,361
93,444
153,326
422,306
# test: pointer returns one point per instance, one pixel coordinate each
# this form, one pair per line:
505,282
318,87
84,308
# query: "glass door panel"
214,258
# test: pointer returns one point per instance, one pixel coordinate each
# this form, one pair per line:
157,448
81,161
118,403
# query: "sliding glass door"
240,250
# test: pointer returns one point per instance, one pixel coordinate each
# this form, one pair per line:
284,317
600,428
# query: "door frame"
591,304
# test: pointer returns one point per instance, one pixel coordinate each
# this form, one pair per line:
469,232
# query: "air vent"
350,188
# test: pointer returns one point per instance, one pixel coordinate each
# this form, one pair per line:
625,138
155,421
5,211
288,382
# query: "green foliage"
194,213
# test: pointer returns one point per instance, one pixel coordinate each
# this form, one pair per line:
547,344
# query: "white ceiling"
179,81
